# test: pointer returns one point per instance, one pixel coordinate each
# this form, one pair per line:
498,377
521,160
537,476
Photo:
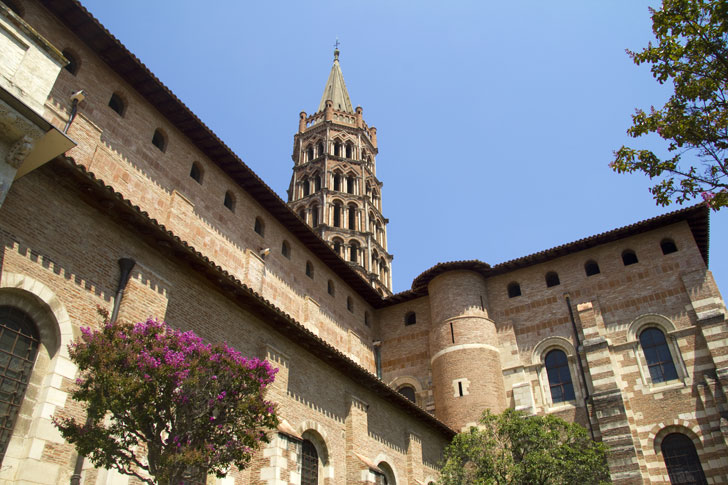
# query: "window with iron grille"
681,460
18,349
309,464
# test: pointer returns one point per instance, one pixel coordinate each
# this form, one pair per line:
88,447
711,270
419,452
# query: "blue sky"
496,120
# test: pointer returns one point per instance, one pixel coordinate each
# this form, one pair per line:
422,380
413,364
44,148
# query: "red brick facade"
221,254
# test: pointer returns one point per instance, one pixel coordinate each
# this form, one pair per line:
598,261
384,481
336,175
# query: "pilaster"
415,470
357,425
609,405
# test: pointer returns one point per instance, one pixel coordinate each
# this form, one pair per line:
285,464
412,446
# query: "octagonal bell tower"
334,187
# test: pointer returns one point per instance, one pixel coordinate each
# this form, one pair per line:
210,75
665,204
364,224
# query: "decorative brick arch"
660,430
406,381
649,320
550,343
46,390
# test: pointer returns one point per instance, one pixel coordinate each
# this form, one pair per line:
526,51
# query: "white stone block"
56,396
36,449
66,368
37,472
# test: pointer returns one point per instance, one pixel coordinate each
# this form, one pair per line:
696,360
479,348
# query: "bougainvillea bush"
165,406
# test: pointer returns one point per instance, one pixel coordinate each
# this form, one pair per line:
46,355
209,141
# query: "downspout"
125,267
578,362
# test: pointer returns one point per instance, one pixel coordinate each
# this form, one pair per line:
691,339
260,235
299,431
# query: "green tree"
692,54
164,406
513,448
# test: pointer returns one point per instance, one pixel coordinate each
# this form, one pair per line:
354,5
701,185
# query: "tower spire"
335,89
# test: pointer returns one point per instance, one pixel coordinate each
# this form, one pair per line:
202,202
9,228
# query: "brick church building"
106,173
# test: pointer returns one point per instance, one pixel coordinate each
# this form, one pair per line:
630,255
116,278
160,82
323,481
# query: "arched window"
514,290
302,214
350,304
337,182
229,201
314,215
305,186
337,214
330,288
73,63
352,217
309,269
354,252
196,172
657,355
629,257
557,369
591,268
309,463
18,348
338,244
259,226
286,249
320,149
350,181
668,246
387,478
317,182
376,200
681,460
410,318
408,392
349,151
337,148
552,279
159,140
117,104
309,153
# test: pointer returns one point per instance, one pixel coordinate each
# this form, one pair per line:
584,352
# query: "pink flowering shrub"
164,404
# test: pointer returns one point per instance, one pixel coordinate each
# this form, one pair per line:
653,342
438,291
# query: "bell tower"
334,187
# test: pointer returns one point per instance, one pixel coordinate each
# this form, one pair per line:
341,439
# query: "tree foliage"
692,54
163,405
513,448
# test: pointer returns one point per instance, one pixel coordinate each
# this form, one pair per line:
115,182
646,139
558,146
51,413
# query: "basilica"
115,195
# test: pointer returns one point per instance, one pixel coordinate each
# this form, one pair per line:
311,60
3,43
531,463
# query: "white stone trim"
56,332
538,358
453,348
383,457
671,335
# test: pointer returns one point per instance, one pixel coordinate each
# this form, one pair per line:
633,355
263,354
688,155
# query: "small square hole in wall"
460,387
